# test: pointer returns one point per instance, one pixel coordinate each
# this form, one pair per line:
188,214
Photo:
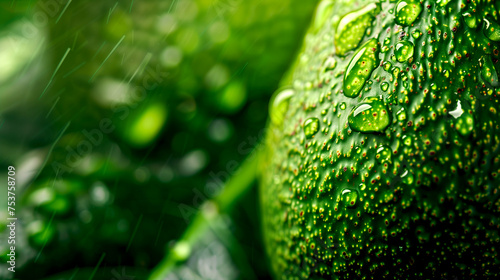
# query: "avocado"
383,146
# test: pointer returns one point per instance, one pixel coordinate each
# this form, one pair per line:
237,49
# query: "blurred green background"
122,117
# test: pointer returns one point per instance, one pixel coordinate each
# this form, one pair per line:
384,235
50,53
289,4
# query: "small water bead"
401,114
387,66
406,140
404,51
407,177
384,154
371,116
384,86
279,105
352,28
360,68
470,19
416,34
491,29
349,197
342,106
407,11
311,127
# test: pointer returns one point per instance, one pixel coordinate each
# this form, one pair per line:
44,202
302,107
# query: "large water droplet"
404,51
349,197
384,86
488,71
407,11
470,19
401,114
360,68
384,154
311,127
352,27
370,116
279,105
491,29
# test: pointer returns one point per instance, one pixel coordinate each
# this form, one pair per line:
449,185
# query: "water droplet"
488,71
352,27
401,114
384,86
407,11
491,29
384,154
342,106
350,197
370,116
470,19
407,177
404,51
330,64
416,34
406,140
387,66
360,68
279,105
311,127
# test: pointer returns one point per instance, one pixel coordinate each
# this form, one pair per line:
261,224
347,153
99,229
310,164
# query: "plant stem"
233,190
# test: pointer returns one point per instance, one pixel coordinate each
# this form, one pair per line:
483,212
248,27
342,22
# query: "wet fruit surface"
401,179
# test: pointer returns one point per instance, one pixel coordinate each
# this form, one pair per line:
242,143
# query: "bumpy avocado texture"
383,147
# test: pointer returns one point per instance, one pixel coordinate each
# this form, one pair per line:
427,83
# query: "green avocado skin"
399,178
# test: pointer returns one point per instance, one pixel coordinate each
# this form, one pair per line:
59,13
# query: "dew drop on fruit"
279,105
352,28
401,114
342,106
404,51
360,68
371,116
349,197
407,11
384,154
491,29
311,127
